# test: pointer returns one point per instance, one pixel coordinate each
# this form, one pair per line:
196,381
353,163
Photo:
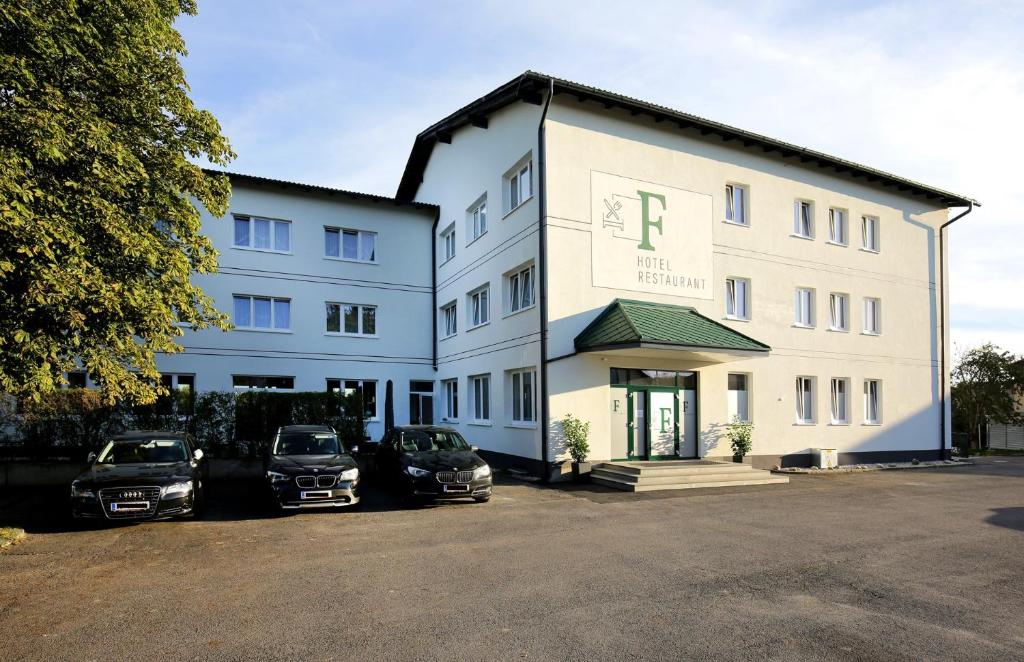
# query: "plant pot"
581,472
737,458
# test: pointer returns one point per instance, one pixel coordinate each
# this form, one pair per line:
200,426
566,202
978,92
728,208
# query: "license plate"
456,488
318,494
129,506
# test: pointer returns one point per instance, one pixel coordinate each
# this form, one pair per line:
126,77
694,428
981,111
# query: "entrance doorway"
660,414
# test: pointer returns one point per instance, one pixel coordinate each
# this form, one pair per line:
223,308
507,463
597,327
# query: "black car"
430,462
142,475
307,467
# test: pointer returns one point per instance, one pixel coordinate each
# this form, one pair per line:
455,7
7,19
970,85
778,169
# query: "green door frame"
644,391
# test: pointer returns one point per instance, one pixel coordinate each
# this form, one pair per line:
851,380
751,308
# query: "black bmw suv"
142,475
430,462
307,467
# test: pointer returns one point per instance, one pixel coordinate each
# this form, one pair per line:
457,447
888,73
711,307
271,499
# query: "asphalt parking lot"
922,564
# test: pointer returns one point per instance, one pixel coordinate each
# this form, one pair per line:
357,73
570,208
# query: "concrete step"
767,479
662,479
674,468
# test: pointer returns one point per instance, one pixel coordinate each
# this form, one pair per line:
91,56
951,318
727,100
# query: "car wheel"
483,499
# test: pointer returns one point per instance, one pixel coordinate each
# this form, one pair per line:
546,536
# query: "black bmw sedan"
307,467
141,475
429,462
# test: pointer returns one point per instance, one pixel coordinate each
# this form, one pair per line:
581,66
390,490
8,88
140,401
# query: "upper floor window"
252,312
351,319
480,306
737,298
803,219
872,316
839,312
837,227
521,289
263,383
263,234
476,219
357,245
869,233
804,307
450,319
519,184
448,244
736,204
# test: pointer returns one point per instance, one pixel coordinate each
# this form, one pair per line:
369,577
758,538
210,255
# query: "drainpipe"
542,280
942,328
433,280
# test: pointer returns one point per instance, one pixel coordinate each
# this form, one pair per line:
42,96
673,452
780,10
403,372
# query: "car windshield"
306,443
143,451
422,440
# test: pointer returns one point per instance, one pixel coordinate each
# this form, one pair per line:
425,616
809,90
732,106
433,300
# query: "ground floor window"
77,379
872,401
840,401
805,400
524,397
480,396
739,398
421,403
367,388
263,383
451,399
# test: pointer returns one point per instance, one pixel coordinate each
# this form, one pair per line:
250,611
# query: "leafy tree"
987,386
99,235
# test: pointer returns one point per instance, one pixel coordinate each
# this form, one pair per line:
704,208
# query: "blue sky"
333,93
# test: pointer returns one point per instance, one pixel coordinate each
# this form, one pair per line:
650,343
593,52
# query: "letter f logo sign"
645,222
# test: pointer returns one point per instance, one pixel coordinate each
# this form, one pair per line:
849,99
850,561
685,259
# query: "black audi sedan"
307,467
430,462
142,475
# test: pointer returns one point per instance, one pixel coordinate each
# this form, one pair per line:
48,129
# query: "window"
837,232
839,312
421,403
479,307
448,244
805,400
737,298
476,220
366,388
803,219
804,307
524,397
840,401
178,382
872,316
736,204
351,319
869,233
451,399
263,234
480,397
872,401
521,289
76,379
519,184
257,382
449,320
267,313
356,245
739,398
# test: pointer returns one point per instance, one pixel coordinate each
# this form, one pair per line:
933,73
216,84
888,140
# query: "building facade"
555,249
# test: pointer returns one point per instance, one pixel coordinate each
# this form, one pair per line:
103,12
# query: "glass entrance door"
637,424
663,421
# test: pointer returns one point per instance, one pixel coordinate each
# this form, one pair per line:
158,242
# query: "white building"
575,251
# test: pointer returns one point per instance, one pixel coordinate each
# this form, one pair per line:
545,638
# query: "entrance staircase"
680,475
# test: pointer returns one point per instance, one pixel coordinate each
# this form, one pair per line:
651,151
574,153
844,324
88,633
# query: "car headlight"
80,492
416,472
276,477
178,488
482,472
348,474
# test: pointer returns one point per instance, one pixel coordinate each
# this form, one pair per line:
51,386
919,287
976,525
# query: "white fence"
1006,437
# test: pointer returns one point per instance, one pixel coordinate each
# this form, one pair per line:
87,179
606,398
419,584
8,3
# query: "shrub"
576,433
740,436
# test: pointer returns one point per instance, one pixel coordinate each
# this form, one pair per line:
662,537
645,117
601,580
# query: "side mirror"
91,458
198,454
354,450
474,448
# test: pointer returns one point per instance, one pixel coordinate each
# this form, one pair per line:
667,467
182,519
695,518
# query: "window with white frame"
366,388
803,218
837,227
266,313
479,306
739,397
838,312
476,219
355,245
736,204
737,298
805,400
519,185
872,316
77,379
173,382
480,397
448,243
522,389
264,234
872,401
449,320
869,233
803,308
840,401
521,289
351,319
262,383
451,399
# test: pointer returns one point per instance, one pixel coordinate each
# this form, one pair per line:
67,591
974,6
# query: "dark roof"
626,323
531,86
353,195
134,435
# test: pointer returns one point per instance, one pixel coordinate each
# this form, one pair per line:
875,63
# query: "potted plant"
740,433
576,433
